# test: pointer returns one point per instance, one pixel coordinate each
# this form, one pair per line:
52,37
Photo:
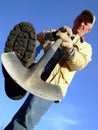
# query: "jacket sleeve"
43,36
81,58
46,38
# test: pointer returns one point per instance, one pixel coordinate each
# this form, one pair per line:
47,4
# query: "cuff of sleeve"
69,54
49,36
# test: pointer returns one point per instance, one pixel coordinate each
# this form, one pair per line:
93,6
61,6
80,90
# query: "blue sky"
79,109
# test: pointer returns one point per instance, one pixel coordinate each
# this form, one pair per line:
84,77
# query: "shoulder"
87,44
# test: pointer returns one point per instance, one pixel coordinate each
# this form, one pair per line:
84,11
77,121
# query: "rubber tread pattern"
21,40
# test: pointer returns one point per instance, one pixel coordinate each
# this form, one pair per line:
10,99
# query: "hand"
66,45
66,41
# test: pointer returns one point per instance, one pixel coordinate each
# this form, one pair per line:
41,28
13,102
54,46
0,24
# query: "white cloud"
60,122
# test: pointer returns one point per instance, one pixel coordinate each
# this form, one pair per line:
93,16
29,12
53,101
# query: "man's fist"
66,41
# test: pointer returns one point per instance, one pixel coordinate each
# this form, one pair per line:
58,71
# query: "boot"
21,40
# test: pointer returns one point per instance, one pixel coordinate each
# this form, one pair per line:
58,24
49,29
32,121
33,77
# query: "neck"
77,31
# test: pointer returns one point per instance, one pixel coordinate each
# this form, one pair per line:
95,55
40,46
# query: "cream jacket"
64,71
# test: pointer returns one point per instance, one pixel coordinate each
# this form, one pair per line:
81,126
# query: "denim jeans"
34,107
29,114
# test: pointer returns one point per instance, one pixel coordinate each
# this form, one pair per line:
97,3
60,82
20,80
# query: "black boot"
21,40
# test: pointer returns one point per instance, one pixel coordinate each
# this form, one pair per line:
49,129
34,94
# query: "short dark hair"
84,17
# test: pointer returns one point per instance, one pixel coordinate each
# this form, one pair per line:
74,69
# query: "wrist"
69,52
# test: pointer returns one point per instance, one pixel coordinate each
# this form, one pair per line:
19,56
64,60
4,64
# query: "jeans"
29,114
34,107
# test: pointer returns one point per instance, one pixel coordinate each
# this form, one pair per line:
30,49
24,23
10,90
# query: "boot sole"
22,40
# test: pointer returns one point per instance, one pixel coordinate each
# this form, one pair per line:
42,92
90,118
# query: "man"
76,56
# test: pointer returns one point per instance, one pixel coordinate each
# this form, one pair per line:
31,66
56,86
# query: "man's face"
82,26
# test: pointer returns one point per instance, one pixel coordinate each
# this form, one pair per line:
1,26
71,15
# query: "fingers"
63,36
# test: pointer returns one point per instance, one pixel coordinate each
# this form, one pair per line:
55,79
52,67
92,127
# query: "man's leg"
29,114
33,108
21,40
